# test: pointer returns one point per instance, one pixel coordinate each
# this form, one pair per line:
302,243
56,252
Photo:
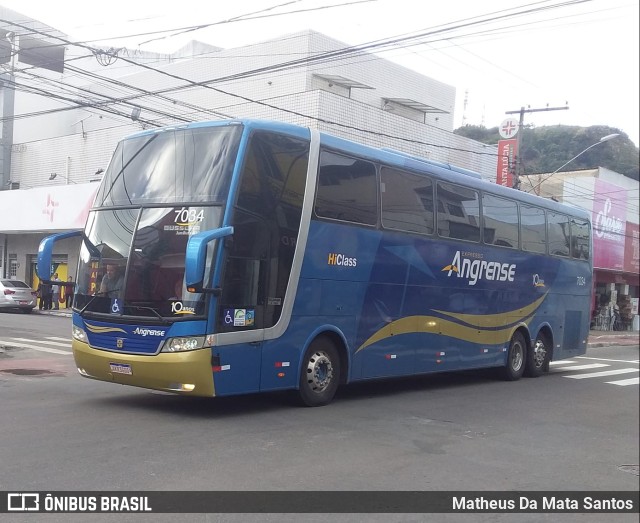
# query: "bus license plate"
120,368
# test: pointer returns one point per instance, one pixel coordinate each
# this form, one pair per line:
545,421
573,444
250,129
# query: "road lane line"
623,383
601,374
58,338
561,362
41,349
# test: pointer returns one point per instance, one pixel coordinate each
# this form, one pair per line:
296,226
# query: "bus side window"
347,189
458,212
407,201
245,268
533,229
500,221
559,234
579,239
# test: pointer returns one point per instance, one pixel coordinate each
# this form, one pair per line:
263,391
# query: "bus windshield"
171,166
159,189
132,261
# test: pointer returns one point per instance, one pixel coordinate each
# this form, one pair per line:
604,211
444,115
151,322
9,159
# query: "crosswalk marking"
581,367
623,383
562,367
604,359
601,374
31,346
56,343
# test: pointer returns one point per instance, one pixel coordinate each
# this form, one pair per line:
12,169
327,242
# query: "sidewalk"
596,338
606,338
60,312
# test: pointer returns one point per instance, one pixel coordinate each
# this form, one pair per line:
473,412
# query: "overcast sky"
584,52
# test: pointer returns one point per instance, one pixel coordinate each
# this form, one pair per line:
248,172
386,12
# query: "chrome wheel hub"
539,354
319,371
517,357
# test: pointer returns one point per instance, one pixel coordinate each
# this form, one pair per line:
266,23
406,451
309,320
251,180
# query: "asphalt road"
458,432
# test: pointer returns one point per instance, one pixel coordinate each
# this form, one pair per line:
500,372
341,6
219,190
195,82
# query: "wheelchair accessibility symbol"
228,316
115,306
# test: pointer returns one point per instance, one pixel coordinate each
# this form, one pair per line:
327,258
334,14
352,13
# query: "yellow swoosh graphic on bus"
501,319
97,329
480,328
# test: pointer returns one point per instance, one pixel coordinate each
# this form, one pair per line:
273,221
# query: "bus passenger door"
243,308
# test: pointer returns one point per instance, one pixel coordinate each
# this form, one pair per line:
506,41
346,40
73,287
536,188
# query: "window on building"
13,265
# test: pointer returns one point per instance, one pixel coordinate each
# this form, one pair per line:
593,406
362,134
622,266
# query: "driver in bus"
111,281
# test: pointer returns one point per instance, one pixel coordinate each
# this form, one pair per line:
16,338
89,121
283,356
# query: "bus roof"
440,170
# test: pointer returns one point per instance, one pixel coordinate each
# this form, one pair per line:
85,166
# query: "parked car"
16,294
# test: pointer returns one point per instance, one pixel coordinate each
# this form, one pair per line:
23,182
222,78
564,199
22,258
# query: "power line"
318,58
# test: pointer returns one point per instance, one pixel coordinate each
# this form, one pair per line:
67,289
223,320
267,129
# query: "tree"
544,149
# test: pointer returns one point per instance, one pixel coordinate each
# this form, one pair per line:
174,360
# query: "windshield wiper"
88,303
96,295
155,311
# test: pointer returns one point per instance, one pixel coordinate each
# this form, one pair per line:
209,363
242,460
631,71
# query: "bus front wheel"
515,358
320,373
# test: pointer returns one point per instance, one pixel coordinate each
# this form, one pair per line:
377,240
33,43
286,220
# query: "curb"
606,341
53,313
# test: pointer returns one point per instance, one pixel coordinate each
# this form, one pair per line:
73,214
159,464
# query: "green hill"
544,149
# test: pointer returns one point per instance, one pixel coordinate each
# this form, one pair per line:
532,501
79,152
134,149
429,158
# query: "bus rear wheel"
538,357
514,368
320,373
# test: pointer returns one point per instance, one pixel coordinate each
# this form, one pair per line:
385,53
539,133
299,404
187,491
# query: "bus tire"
516,355
319,374
538,357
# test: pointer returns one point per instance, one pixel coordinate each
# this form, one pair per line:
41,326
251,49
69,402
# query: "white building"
67,124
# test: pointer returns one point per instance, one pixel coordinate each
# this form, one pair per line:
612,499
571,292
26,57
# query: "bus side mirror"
45,253
196,257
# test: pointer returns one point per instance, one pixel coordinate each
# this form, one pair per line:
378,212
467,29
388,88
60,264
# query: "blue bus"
234,257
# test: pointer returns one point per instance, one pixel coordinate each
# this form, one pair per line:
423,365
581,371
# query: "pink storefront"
616,256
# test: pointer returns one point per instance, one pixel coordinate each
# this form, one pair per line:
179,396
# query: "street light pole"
602,140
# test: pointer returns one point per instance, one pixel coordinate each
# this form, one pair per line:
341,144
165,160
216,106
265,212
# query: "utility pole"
521,111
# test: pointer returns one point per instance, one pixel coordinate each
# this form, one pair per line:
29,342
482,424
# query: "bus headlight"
183,344
78,334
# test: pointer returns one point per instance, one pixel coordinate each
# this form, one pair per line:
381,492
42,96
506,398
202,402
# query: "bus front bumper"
187,372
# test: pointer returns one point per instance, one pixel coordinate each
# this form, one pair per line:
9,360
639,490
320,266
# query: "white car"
16,294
